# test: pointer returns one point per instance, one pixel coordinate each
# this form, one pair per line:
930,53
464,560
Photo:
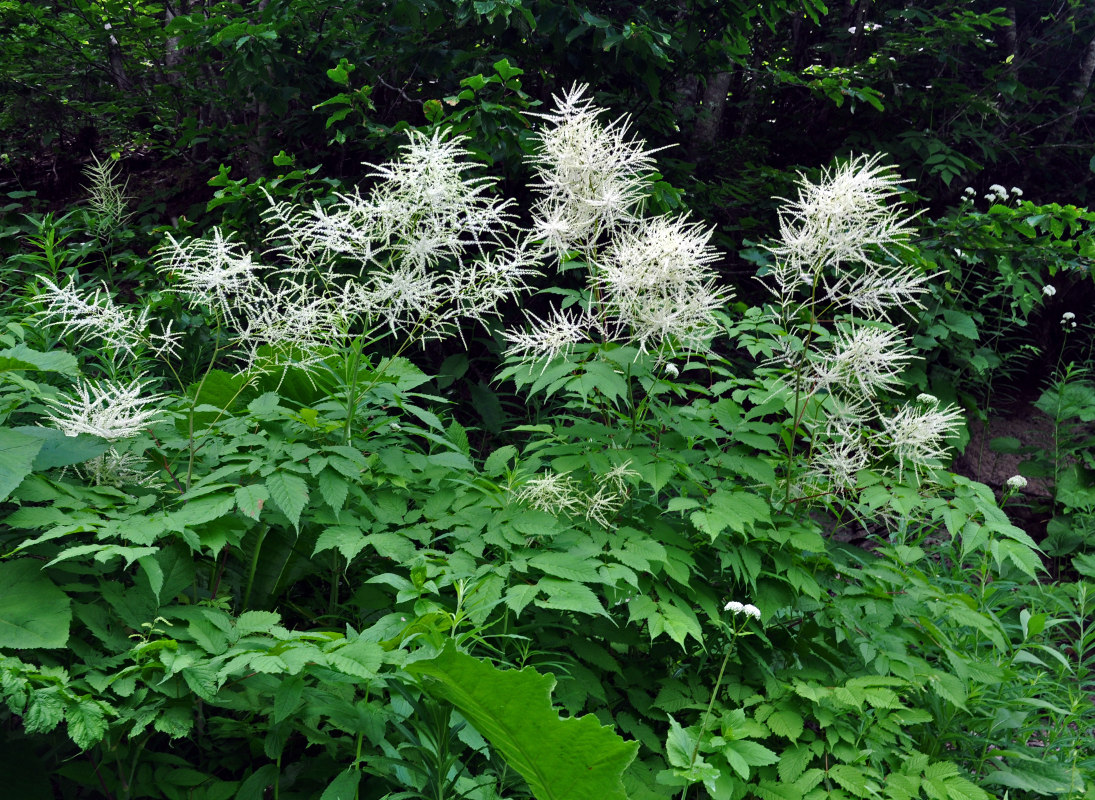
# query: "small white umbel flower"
745,609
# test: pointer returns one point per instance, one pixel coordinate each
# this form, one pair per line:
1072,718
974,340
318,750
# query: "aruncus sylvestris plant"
330,562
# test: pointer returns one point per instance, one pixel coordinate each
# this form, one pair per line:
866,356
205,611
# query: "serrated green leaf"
289,493
250,498
359,658
560,759
959,788
770,790
254,788
569,565
59,450
679,623
850,778
343,787
22,357
287,697
86,722
256,622
569,596
498,460
785,723
33,612
334,489
348,541
792,762
45,710
519,596
17,454
679,744
753,753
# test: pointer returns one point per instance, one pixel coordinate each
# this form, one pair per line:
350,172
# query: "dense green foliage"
375,549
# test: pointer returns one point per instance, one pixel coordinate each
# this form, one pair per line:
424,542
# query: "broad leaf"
17,454
33,612
560,759
59,450
22,357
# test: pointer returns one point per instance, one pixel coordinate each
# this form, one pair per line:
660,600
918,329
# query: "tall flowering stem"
742,612
840,272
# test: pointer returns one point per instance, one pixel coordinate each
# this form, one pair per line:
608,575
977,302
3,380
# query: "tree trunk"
117,68
709,120
1076,98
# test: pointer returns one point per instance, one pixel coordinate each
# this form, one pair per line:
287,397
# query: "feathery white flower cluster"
428,247
106,409
650,280
839,257
1016,482
839,242
93,314
591,176
1068,320
558,493
117,469
917,432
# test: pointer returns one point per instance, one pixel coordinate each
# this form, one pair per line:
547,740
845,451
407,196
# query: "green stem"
254,566
707,713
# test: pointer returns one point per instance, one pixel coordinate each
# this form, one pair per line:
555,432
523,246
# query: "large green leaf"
59,450
33,612
561,759
22,357
17,454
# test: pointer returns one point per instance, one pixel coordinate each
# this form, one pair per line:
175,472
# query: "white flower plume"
428,247
591,176
916,434
94,314
839,241
866,359
552,492
106,409
547,339
214,272
656,281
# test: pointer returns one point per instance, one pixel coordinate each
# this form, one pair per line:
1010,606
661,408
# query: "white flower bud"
1048,290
